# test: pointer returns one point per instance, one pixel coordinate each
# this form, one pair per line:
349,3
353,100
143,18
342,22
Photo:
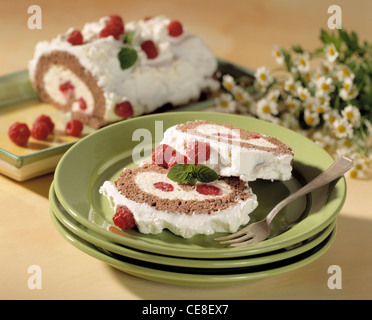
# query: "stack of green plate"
301,232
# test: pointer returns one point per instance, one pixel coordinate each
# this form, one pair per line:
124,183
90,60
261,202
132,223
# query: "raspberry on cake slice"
231,151
158,203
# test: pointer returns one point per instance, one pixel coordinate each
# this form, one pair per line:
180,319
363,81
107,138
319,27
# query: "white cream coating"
233,159
152,221
181,71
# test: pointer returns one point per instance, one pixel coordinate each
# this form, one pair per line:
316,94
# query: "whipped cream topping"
181,71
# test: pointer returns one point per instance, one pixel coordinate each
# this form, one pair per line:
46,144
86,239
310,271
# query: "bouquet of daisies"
325,94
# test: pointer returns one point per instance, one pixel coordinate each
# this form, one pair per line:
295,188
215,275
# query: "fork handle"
336,170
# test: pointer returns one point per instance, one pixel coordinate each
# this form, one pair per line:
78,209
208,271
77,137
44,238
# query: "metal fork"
259,231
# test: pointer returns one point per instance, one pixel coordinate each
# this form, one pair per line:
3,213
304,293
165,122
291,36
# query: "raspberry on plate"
40,130
19,133
162,154
124,218
198,152
74,127
47,120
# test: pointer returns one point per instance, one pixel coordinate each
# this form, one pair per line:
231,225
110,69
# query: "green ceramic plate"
99,241
194,277
102,155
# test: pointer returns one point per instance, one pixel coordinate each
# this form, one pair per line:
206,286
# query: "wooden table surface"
242,31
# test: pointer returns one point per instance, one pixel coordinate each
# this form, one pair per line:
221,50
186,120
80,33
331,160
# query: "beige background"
243,32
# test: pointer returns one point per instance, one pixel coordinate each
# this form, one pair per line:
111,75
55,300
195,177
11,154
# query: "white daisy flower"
359,168
349,94
225,103
330,52
326,67
344,72
292,104
263,76
266,108
324,85
368,125
331,116
273,95
278,55
312,119
343,128
352,114
228,82
302,62
291,86
322,99
303,93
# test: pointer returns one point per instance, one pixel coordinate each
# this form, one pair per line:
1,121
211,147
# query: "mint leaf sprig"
191,173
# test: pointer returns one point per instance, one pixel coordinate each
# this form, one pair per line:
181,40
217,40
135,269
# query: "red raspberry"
114,27
124,218
162,155
47,120
223,135
198,152
75,38
175,28
124,109
82,104
40,130
150,49
177,159
208,189
163,186
67,88
74,127
254,136
117,20
19,133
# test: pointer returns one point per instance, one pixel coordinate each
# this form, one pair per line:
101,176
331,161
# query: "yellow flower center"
325,87
291,87
263,76
303,96
266,109
239,96
302,62
331,119
359,167
345,72
331,51
224,104
346,86
349,115
341,129
320,109
309,120
353,174
228,85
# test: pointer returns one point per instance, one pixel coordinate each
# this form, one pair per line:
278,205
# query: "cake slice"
111,70
157,203
230,151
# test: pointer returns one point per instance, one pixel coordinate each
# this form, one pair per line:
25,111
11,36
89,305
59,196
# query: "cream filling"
146,181
152,221
58,74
